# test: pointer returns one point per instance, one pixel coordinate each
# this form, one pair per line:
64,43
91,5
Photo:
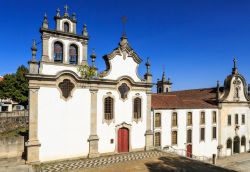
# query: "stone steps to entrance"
97,162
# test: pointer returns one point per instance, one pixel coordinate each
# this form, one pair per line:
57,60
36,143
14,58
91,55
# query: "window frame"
214,133
214,117
108,121
174,123
68,25
202,139
236,119
243,122
189,121
54,52
155,122
76,55
202,113
156,135
174,142
229,120
134,118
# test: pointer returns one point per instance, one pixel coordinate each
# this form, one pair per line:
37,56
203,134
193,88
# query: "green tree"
15,86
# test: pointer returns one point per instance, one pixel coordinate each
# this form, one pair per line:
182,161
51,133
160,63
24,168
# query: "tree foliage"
87,71
15,86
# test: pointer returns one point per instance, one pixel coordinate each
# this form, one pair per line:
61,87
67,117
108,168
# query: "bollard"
214,156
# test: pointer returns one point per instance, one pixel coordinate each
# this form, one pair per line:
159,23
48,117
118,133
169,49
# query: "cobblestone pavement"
238,162
97,162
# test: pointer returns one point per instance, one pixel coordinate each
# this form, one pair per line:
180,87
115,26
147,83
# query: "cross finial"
66,8
163,74
235,62
124,21
235,70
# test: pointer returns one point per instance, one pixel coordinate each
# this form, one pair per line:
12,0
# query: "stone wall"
12,147
13,120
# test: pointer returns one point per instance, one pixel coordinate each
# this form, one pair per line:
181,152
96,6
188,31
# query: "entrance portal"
123,140
189,151
236,146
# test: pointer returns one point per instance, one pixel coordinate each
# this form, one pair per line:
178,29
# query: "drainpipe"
153,127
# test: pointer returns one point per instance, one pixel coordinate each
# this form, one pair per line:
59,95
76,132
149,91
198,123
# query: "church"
77,111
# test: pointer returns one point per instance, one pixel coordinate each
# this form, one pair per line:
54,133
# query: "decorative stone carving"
66,88
123,90
237,89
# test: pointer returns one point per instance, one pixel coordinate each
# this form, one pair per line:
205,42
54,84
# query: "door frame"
117,127
238,143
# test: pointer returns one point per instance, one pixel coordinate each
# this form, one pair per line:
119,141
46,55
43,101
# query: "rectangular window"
157,139
229,120
202,119
236,119
174,137
214,133
174,119
202,134
214,117
157,120
189,136
243,119
189,118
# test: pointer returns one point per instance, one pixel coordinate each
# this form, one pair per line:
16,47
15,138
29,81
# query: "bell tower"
163,85
63,45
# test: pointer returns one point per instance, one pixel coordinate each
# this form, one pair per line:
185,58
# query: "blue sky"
195,40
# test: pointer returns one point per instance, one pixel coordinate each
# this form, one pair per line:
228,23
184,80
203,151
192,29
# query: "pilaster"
33,142
84,53
149,132
93,138
33,67
45,53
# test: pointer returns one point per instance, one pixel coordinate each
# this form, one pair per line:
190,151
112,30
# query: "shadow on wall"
182,164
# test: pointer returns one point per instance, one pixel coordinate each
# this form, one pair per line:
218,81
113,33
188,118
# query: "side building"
206,121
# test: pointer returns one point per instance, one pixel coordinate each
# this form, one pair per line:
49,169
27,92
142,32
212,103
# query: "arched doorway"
123,140
243,142
236,146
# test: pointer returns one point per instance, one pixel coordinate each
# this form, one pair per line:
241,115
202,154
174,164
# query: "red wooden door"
123,140
189,150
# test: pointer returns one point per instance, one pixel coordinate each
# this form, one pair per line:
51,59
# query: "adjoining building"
76,111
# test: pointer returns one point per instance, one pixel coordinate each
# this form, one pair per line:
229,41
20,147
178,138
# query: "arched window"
157,139
202,118
229,143
108,108
73,54
66,27
243,141
174,119
58,52
189,136
137,108
157,120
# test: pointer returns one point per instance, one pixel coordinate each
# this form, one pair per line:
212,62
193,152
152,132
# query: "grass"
14,133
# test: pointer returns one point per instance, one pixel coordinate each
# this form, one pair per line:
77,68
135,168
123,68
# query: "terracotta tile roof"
186,99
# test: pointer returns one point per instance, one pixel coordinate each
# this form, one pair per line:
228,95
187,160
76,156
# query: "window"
157,139
174,137
229,120
202,134
157,120
214,117
189,118
137,108
214,133
73,54
243,141
108,108
58,52
229,143
66,87
174,119
236,119
189,136
66,27
202,120
243,119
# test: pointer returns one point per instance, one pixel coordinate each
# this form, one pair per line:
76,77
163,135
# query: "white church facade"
76,111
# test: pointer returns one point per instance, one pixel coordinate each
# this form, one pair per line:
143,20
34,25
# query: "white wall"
63,126
122,113
199,148
229,131
123,67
